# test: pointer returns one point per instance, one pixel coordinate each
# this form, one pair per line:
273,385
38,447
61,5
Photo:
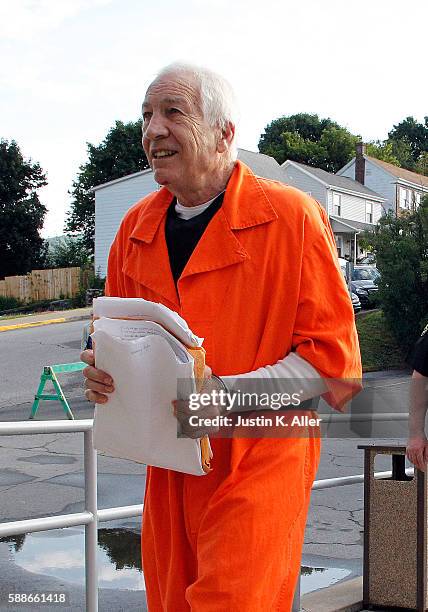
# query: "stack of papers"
149,351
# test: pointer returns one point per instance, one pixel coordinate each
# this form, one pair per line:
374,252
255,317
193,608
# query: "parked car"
368,259
365,284
356,304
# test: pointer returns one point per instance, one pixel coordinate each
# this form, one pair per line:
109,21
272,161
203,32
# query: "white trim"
415,186
120,179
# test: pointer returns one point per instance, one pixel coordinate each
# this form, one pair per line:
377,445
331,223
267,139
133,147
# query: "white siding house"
402,189
113,199
351,207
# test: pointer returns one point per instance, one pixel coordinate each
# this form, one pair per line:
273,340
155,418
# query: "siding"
354,207
295,177
378,180
111,204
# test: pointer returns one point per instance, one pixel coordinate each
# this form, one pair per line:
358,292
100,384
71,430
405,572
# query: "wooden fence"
42,285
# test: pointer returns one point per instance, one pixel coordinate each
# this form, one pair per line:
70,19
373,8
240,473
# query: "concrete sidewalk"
45,318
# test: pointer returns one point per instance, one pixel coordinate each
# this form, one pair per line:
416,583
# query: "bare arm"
417,444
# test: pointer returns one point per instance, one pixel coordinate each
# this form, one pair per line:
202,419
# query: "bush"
401,248
9,303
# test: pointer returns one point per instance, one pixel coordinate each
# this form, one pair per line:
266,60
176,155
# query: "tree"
414,135
66,252
382,150
401,248
21,212
310,140
119,154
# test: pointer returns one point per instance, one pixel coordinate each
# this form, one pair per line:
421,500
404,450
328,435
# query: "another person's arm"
417,443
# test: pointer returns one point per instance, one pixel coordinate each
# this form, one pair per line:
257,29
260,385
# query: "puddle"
314,578
61,553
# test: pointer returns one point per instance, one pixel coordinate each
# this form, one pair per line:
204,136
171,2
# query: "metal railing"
92,515
89,518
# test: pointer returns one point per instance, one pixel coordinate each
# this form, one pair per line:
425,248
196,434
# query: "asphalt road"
42,475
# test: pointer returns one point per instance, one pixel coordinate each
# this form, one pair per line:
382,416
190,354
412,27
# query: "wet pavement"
55,559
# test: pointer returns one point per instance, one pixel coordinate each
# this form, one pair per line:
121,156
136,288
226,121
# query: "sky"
70,68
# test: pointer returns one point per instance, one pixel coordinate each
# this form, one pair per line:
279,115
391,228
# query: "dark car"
365,284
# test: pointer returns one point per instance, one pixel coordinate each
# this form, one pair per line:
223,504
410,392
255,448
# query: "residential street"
42,475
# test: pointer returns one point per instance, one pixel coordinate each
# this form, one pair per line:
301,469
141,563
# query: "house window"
404,198
339,244
337,204
417,200
369,212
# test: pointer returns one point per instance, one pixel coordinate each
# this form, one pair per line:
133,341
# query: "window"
337,204
339,244
369,212
404,197
417,200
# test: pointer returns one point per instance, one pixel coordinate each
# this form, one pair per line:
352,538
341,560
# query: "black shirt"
418,356
183,235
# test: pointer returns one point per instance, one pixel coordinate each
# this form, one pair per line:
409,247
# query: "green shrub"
401,248
9,303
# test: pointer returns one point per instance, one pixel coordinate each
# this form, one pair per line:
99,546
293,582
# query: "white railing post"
91,529
295,607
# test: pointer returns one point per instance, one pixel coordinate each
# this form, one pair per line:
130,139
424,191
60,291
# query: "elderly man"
251,265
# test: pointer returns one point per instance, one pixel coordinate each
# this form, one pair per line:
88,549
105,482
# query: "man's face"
180,145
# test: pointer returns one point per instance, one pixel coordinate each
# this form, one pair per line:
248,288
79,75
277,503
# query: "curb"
4,328
345,596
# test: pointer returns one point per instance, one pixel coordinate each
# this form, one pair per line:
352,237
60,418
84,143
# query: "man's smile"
161,153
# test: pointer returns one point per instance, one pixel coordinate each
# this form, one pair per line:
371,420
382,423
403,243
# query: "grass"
379,348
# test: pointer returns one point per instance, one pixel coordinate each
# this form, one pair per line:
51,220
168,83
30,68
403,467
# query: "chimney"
360,162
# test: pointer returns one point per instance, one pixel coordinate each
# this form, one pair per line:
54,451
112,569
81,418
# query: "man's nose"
156,127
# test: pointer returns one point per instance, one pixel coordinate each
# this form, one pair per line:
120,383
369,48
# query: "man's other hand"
98,384
417,451
183,412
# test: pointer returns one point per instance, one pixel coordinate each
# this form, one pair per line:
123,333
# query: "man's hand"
98,384
417,451
182,411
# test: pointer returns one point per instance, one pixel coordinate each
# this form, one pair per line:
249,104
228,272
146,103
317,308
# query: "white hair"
219,106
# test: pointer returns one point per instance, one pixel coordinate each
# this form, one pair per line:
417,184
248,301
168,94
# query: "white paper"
115,307
137,422
132,329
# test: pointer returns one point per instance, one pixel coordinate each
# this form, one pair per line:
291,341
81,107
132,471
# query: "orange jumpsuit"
262,281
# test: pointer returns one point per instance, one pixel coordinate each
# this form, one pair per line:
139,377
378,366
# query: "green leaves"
401,248
305,138
21,212
119,154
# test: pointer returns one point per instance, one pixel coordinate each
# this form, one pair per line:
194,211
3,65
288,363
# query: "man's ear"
226,137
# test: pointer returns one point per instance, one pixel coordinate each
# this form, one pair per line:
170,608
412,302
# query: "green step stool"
49,373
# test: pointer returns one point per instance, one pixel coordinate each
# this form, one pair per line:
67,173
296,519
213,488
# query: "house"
351,206
402,189
113,199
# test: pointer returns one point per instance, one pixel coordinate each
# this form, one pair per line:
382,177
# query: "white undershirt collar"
188,212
